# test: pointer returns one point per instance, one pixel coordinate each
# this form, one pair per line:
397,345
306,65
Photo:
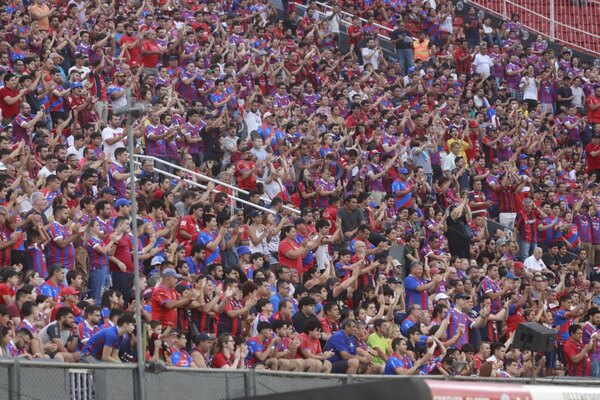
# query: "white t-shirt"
334,23
253,120
533,265
529,87
109,133
73,150
483,64
578,96
371,56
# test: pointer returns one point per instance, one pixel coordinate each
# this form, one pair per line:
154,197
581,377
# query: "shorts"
339,367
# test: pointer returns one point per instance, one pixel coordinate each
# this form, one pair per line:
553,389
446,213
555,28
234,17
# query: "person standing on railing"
472,27
333,20
403,43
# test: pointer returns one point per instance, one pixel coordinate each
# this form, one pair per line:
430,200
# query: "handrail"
213,180
346,23
328,7
201,186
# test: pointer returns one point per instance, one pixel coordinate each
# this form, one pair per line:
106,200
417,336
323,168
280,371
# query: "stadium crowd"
399,166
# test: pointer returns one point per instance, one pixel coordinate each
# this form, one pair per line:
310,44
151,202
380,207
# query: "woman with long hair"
306,189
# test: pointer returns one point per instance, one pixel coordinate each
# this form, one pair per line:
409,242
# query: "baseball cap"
501,242
393,279
243,250
396,263
157,260
299,221
253,213
518,265
462,296
203,337
76,85
403,171
122,202
441,296
69,291
170,273
267,114
108,190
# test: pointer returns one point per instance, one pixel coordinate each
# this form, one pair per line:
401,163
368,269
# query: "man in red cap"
67,297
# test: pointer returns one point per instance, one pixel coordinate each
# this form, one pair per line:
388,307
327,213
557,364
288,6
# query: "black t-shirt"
405,41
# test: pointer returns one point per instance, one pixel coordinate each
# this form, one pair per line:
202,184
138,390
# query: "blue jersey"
412,295
338,342
395,362
49,289
108,337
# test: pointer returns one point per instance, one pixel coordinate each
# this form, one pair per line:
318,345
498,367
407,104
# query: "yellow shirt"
375,340
463,148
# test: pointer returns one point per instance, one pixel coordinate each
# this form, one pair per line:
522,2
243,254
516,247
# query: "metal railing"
234,198
384,41
46,380
575,23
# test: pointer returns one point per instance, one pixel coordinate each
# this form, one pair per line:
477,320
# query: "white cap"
441,296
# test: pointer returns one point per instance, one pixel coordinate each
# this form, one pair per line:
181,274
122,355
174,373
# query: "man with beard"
24,123
59,333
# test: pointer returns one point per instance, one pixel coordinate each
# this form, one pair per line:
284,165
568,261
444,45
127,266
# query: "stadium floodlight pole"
135,111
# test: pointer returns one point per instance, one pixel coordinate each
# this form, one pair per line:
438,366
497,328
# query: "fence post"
250,383
552,20
14,380
504,15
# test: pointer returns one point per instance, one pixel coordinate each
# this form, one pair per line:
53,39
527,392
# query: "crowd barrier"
44,380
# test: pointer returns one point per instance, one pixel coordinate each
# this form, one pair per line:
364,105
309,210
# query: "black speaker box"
536,337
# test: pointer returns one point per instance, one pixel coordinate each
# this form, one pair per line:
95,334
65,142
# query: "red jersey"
248,183
160,297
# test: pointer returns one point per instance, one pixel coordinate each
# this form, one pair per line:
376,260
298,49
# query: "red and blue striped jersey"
490,286
205,238
119,186
255,346
412,295
563,325
49,289
573,133
106,227
595,229
311,102
97,259
38,259
588,331
513,81
233,326
20,133
26,325
64,256
193,131
546,92
405,200
458,318
5,253
155,148
180,358
57,103
584,227
584,366
108,337
86,332
323,201
526,225
188,92
572,236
